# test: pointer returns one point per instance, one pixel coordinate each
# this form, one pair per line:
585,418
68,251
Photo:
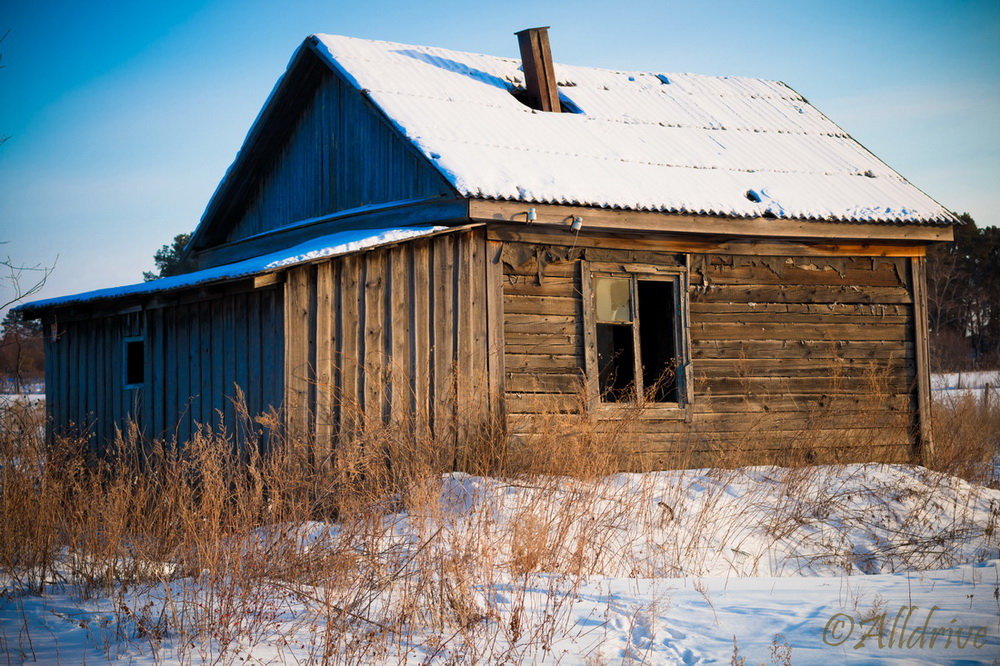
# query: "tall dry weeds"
244,535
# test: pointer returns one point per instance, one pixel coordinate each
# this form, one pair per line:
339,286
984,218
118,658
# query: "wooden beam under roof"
559,216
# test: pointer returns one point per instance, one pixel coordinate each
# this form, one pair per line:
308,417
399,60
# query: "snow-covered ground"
816,620
981,384
833,564
8,398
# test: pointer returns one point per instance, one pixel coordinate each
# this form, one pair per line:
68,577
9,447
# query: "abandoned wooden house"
410,234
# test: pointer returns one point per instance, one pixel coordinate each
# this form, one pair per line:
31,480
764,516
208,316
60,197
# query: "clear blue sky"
123,117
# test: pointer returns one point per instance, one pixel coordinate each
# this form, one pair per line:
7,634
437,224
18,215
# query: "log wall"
812,355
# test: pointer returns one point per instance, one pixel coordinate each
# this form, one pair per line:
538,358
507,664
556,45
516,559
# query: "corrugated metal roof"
728,146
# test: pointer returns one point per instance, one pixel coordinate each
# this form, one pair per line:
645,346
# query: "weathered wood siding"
196,353
788,353
396,335
84,376
341,154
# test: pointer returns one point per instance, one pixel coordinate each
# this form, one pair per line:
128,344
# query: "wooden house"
413,234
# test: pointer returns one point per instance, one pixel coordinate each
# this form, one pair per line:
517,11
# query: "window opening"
636,339
135,362
658,340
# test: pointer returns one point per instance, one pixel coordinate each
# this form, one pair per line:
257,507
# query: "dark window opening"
616,362
637,339
135,362
658,340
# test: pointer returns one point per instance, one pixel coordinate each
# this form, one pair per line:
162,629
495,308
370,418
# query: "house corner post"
924,426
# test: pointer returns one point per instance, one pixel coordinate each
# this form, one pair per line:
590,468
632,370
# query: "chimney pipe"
539,74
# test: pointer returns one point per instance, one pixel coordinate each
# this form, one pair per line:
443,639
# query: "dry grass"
967,439
210,548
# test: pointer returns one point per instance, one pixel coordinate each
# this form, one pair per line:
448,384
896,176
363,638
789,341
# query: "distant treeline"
22,356
963,286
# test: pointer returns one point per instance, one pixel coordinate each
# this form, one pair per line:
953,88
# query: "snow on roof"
342,242
687,143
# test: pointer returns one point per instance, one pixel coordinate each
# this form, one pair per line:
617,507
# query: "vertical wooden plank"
400,360
374,328
229,314
335,346
108,393
350,303
925,443
186,320
115,326
155,387
80,384
420,289
205,365
589,340
273,339
493,279
297,350
324,360
243,306
254,387
50,363
443,345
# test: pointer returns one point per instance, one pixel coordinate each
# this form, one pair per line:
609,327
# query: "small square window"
134,362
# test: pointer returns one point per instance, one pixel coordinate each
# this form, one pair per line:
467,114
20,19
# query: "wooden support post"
925,443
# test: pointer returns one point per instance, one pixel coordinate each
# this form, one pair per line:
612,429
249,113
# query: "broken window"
637,322
134,362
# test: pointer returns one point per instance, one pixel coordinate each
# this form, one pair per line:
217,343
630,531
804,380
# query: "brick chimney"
539,74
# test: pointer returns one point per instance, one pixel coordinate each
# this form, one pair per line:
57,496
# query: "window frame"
640,408
125,347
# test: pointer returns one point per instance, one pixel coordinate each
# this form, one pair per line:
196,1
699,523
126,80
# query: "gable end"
318,147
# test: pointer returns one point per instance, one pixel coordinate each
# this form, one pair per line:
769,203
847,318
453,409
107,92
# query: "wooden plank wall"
84,380
196,353
811,355
341,154
394,336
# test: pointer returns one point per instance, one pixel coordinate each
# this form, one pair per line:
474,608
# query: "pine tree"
168,259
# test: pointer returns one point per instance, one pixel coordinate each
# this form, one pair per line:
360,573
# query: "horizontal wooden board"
527,272
798,331
752,316
545,345
542,362
556,215
530,382
771,386
787,402
820,309
815,348
541,305
763,438
541,403
794,274
799,294
553,285
816,367
527,334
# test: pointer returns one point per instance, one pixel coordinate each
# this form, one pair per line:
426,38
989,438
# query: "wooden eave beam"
555,216
436,211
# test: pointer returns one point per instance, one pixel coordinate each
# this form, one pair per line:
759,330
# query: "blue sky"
123,117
